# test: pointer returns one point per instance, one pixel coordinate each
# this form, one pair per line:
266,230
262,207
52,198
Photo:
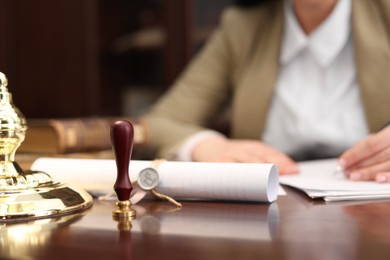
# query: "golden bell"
26,195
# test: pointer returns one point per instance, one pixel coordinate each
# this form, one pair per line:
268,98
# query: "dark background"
93,57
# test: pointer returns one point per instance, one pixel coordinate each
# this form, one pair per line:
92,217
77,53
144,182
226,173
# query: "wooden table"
294,227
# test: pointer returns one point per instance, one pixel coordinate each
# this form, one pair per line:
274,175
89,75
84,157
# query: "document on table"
257,182
318,180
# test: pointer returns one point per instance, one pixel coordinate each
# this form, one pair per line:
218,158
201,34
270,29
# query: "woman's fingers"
367,149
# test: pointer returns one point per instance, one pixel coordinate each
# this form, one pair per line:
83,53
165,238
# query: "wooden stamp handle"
122,138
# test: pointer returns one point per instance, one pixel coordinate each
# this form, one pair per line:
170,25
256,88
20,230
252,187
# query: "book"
256,182
318,180
72,135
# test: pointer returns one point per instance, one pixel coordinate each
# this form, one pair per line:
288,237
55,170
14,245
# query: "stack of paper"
181,180
318,180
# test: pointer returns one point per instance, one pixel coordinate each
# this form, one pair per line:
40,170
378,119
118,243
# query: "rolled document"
180,180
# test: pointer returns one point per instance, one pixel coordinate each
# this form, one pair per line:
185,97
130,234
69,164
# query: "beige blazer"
240,63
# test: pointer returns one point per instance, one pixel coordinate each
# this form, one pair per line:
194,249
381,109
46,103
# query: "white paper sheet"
318,180
180,180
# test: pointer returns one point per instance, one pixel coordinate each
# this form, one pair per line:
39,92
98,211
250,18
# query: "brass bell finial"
3,79
12,130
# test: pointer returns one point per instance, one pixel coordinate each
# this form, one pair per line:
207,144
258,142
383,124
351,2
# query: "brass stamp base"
123,211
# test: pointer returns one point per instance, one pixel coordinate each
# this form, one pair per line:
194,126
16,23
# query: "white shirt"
316,109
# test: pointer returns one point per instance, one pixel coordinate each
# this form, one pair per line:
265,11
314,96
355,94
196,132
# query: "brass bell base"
44,201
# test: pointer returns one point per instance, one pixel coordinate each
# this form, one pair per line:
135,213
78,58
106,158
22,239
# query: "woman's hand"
369,159
219,149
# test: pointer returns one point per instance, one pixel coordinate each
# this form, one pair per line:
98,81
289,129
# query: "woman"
303,79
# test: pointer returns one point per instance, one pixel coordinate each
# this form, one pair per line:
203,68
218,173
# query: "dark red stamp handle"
122,138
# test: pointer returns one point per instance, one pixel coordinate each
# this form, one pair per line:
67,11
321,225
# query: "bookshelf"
81,58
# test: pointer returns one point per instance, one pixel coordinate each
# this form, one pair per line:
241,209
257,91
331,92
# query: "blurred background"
78,58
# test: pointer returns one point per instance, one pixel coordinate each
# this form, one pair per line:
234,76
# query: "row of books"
72,135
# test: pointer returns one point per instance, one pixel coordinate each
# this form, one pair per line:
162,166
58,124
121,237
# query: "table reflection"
215,220
373,218
198,229
324,231
28,238
292,228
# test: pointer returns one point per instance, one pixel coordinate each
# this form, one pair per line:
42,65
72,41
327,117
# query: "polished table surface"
294,227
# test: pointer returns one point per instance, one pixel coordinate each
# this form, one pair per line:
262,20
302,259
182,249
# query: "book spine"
87,134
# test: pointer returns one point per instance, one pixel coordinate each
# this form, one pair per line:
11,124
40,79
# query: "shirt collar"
325,43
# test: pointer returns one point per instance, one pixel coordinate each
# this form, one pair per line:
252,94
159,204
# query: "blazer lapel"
254,94
372,55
